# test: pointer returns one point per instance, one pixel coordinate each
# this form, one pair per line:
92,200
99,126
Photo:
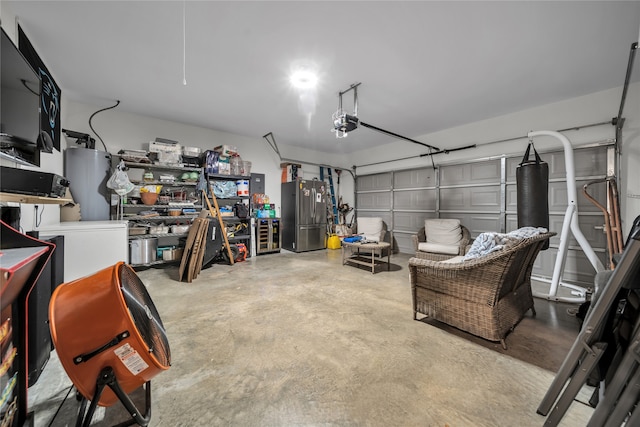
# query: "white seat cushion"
443,231
372,229
438,248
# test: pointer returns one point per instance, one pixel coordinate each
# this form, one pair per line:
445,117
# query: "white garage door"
482,194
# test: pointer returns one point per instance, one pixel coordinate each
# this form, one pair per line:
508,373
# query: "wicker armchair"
421,237
485,296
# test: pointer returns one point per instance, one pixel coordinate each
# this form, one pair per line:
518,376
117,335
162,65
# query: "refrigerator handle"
313,203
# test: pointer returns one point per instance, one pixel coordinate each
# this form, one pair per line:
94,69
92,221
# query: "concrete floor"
301,340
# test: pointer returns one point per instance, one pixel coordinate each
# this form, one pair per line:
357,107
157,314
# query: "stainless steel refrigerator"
304,215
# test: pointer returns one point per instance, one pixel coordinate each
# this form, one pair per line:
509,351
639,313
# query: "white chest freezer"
90,246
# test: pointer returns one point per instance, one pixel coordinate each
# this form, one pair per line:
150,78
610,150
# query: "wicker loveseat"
485,296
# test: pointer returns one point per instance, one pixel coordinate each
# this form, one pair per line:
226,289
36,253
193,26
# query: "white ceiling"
424,66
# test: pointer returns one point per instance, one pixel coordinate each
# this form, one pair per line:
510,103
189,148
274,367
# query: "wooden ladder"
216,213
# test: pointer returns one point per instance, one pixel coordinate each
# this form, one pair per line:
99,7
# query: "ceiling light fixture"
304,79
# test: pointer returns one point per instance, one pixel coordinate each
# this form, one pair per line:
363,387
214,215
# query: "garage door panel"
374,182
588,224
512,164
512,198
558,197
404,243
595,237
415,178
470,198
587,162
414,199
386,216
577,268
374,200
410,221
477,173
476,223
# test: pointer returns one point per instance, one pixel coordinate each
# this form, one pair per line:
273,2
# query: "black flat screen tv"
19,106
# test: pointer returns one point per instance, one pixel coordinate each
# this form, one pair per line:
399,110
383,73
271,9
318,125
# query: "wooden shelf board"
34,200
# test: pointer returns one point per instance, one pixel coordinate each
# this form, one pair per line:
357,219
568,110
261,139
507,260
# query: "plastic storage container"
246,168
243,187
236,165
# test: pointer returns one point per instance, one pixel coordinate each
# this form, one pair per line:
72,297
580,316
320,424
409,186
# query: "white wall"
121,130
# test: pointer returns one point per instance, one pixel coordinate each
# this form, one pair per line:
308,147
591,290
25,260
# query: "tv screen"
19,106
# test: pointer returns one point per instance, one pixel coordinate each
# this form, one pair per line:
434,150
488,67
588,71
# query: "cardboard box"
291,172
70,211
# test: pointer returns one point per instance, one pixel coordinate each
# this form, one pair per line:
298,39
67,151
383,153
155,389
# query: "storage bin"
191,151
172,254
179,229
159,229
246,168
236,165
242,187
160,252
136,231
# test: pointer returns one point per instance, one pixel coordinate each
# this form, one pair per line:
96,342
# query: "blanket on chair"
489,242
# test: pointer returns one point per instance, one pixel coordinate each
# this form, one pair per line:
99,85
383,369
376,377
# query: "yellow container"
333,242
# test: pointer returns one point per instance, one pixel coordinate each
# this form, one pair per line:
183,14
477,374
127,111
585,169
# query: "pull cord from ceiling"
184,42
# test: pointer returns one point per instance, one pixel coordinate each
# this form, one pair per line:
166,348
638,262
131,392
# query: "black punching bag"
532,182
